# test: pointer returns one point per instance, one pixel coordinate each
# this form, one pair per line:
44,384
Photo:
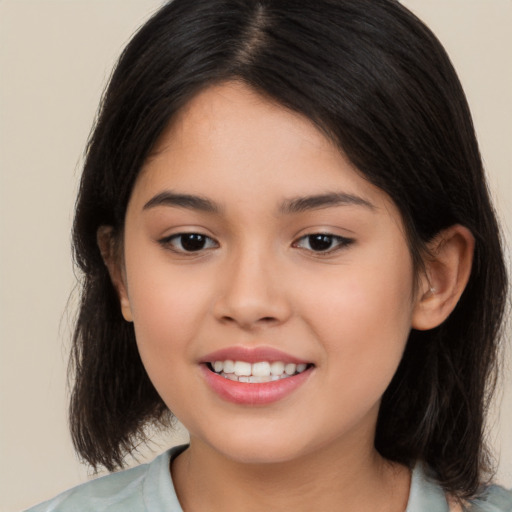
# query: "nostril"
265,320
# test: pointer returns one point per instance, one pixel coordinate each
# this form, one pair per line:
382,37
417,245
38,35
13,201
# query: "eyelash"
341,242
207,243
169,242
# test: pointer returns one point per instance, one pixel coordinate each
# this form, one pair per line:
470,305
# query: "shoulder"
493,499
427,495
144,487
113,490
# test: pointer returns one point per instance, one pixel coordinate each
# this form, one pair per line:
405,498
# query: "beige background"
55,57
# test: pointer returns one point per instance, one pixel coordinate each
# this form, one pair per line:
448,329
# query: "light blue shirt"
149,488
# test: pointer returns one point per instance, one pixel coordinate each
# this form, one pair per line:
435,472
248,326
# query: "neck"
330,476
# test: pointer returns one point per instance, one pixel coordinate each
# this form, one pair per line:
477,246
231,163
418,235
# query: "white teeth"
243,368
277,368
262,371
290,368
229,366
256,379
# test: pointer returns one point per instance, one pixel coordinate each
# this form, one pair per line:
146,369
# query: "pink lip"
253,394
251,355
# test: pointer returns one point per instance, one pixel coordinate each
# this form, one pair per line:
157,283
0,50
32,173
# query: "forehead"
231,115
233,142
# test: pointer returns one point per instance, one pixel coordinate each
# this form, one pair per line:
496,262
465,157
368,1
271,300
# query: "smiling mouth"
256,373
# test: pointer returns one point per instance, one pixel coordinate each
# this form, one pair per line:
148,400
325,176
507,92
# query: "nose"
252,292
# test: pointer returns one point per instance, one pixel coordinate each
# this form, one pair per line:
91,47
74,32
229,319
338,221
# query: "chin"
251,447
258,454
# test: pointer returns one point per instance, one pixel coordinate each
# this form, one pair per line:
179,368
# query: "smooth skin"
218,251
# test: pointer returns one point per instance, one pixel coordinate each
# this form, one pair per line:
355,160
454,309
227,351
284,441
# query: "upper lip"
251,355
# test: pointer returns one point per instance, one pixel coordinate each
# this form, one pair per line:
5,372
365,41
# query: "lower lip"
254,394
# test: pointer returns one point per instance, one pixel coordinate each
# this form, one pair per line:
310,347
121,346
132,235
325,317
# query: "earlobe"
447,271
112,260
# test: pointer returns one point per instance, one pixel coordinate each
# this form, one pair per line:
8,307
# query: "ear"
113,261
447,271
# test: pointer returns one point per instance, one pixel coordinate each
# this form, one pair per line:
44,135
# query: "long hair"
377,82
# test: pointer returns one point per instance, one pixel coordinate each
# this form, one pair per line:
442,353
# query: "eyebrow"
289,206
188,201
314,202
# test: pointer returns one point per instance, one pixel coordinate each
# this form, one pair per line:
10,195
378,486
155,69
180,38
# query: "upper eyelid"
181,231
324,233
344,240
166,240
326,227
343,243
295,239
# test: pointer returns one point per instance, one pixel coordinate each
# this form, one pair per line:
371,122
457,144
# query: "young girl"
286,240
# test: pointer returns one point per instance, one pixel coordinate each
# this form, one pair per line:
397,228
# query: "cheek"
363,318
167,303
167,308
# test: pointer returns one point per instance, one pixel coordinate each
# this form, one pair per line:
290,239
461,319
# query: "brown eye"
189,242
322,242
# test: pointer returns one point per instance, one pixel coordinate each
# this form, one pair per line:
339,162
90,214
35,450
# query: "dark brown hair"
379,83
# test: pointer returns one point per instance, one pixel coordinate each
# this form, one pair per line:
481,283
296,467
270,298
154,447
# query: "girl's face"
249,237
